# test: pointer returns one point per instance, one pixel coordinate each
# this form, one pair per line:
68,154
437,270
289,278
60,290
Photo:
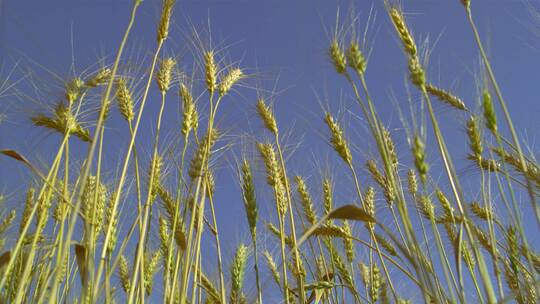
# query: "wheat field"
387,217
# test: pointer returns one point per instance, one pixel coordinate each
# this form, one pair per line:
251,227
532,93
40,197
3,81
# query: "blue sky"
283,45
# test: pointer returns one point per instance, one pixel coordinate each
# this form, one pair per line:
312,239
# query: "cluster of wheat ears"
74,240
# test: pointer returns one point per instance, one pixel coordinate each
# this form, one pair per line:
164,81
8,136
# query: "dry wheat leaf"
351,212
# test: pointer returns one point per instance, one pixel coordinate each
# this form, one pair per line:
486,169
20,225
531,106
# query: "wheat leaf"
351,212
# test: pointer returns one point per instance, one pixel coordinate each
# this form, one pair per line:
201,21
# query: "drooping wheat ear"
6,222
332,230
338,56
403,31
267,116
337,139
125,99
513,247
533,171
350,251
165,20
28,204
150,269
445,204
230,79
490,165
412,182
355,58
327,195
156,166
237,273
275,231
63,122
483,239
124,274
73,89
481,212
381,180
113,220
512,281
250,200
419,154
164,74
376,283
211,291
273,267
211,70
297,272
489,112
446,97
101,77
197,161
466,3
307,201
386,245
93,203
426,207
191,116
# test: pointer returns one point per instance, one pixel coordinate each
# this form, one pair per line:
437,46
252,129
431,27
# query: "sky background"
283,45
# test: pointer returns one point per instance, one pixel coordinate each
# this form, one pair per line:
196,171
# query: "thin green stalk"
372,235
218,249
486,280
204,168
40,227
496,268
505,111
88,162
126,160
168,294
139,261
299,278
283,259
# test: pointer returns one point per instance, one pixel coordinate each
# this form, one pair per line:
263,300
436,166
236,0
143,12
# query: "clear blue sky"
284,43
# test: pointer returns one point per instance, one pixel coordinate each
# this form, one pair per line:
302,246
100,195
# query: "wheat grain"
355,58
73,89
267,116
404,34
211,70
237,273
164,74
165,20
446,97
230,79
338,56
307,201
337,139
101,77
